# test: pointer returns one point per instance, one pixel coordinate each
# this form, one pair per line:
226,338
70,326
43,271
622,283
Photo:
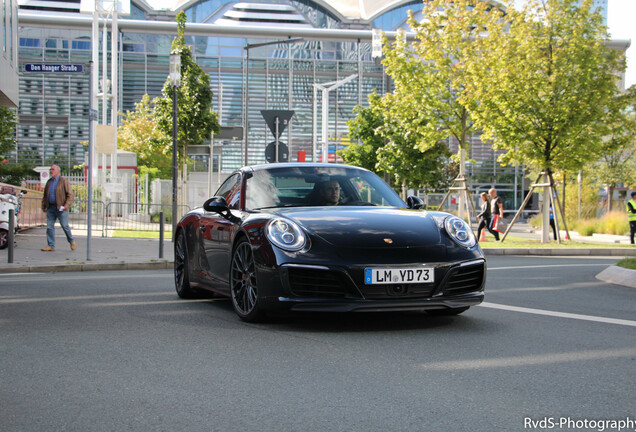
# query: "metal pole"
314,128
92,115
276,121
325,125
160,234
10,237
210,163
247,101
174,160
114,41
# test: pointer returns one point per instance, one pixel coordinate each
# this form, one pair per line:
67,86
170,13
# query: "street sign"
271,117
54,68
270,152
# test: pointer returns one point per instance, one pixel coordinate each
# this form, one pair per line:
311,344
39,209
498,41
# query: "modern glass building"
9,53
335,44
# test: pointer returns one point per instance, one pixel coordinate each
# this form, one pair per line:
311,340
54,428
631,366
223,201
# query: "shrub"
167,216
614,222
15,174
586,227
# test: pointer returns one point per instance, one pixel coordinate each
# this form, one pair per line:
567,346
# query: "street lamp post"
326,88
247,84
175,81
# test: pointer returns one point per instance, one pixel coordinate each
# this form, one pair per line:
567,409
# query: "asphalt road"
118,351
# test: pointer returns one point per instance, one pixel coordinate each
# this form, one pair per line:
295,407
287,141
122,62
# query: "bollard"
160,234
10,237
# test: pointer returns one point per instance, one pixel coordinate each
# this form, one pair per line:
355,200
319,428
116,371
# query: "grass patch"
628,263
141,234
524,243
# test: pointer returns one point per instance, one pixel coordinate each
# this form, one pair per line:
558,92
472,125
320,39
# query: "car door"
217,231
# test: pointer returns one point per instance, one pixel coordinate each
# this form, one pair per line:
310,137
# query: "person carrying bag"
496,209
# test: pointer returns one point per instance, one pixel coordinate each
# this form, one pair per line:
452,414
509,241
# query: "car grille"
402,291
305,282
465,279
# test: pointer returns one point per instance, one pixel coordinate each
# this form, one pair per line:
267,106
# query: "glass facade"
53,126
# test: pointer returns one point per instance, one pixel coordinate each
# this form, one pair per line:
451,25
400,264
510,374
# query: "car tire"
243,283
447,312
181,275
4,239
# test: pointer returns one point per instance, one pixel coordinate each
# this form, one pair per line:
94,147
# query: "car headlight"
460,231
286,234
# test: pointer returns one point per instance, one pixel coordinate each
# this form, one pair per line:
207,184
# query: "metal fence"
135,218
114,218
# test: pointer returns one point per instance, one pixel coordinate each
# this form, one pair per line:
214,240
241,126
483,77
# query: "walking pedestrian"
631,214
552,224
496,204
57,199
485,218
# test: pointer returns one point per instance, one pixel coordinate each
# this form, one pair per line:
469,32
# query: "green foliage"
430,74
139,133
618,164
15,174
542,83
586,227
589,198
196,119
629,263
167,216
610,223
384,147
363,128
8,121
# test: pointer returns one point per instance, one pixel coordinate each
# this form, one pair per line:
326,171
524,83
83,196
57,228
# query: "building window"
30,42
133,47
81,45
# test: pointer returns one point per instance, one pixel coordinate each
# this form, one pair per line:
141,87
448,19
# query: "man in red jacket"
57,199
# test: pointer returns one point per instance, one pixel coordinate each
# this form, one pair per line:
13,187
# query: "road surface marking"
529,360
560,314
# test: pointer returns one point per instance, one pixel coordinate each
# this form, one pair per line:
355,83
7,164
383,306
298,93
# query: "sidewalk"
143,254
105,253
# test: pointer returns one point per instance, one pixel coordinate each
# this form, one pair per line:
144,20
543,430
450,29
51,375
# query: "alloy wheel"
243,282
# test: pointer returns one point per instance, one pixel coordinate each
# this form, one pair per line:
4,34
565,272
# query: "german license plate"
408,275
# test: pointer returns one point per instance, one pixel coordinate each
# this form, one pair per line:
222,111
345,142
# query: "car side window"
231,191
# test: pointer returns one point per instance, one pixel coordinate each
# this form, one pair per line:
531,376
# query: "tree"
618,163
542,82
196,119
430,73
385,147
363,128
139,133
8,121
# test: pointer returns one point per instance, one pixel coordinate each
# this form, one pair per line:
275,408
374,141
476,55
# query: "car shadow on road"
334,322
373,322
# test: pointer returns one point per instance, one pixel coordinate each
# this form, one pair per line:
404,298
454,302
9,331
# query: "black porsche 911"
325,237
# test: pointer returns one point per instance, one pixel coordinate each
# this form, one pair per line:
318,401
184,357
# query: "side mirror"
414,202
218,205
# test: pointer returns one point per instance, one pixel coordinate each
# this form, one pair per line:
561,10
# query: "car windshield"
317,186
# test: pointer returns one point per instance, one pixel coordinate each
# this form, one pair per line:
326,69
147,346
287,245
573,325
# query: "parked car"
325,237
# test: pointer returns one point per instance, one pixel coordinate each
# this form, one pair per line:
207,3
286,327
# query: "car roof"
298,165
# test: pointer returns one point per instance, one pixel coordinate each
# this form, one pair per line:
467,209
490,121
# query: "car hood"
367,227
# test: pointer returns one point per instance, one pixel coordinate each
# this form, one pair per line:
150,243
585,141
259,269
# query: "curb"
618,276
160,265
164,265
613,252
